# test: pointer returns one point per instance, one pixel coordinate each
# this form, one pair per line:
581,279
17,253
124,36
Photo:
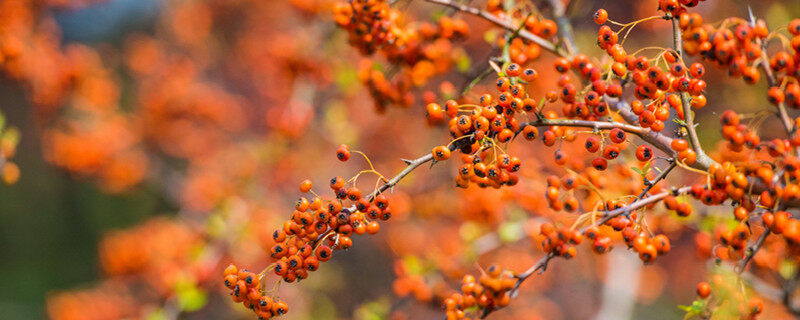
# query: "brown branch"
541,265
547,45
656,139
637,205
651,183
702,159
411,165
772,82
752,250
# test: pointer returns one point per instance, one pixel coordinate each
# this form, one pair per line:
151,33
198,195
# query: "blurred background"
162,140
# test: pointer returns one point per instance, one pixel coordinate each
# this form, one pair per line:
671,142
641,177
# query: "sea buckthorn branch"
703,159
547,45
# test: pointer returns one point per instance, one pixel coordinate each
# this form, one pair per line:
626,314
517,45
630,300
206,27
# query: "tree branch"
547,45
752,250
702,158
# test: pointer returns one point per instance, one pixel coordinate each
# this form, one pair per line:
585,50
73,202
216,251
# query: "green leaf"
639,171
697,308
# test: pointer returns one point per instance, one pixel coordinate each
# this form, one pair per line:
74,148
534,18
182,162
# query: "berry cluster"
317,227
489,292
423,50
496,120
246,289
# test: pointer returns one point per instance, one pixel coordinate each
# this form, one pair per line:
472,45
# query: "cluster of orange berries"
662,86
371,24
739,46
733,240
737,134
246,289
648,247
560,242
424,49
494,121
519,50
317,227
489,292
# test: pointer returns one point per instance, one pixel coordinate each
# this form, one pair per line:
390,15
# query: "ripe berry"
617,135
343,153
644,153
305,186
703,290
600,16
441,153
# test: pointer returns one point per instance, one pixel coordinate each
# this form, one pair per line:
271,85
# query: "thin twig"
541,265
752,250
649,184
688,117
547,45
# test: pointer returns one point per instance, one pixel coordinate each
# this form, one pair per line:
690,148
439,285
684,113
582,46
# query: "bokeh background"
191,123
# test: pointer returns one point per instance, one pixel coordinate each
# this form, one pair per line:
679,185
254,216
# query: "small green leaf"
639,171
